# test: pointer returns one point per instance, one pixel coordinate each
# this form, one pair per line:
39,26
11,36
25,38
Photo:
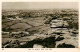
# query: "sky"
39,5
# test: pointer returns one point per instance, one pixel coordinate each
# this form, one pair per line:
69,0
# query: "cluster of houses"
16,34
13,19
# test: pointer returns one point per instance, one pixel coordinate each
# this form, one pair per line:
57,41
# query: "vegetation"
3,29
73,25
11,16
48,21
47,42
65,46
3,17
33,31
59,38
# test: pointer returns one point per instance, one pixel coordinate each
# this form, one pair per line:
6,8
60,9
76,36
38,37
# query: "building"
19,34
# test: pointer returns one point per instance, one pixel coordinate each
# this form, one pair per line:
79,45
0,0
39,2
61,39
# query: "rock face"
56,23
60,27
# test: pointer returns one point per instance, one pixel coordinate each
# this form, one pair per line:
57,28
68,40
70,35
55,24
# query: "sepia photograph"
40,25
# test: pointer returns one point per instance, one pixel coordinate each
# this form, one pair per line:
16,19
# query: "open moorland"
55,28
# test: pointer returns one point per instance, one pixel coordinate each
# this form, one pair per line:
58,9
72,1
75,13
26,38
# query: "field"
42,28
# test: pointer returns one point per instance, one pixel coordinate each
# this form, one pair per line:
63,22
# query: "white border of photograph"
37,49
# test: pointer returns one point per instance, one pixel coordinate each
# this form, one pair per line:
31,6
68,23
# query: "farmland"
53,28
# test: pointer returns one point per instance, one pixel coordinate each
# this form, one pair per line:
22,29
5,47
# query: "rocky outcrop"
60,27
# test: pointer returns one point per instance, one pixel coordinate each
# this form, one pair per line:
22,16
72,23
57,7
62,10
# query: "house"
5,32
15,34
19,34
17,17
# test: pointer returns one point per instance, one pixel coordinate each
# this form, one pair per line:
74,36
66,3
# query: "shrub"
59,38
47,42
65,46
33,31
35,41
73,25
48,21
3,29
